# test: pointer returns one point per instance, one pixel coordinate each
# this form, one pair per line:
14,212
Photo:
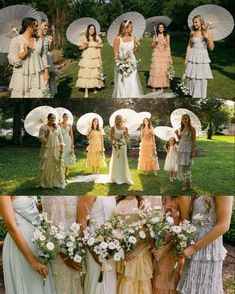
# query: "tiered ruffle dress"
171,159
198,69
148,156
27,80
52,173
161,61
90,65
67,146
135,276
202,272
95,150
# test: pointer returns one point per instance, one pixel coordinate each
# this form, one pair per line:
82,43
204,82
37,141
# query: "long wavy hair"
87,33
182,126
149,123
165,33
138,198
168,142
208,201
92,124
123,27
27,22
202,21
115,121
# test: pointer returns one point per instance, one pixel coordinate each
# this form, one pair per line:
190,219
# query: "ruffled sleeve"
82,42
42,134
100,43
14,50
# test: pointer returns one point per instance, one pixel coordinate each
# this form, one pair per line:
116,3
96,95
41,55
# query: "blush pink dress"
161,61
162,284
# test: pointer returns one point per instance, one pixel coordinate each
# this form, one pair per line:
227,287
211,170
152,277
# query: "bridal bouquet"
183,85
125,63
118,144
182,238
104,244
60,163
171,72
72,157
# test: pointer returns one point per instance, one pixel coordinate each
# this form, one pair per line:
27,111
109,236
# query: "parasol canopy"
144,114
138,21
165,133
78,28
36,118
152,22
84,122
217,19
43,16
177,114
61,111
131,119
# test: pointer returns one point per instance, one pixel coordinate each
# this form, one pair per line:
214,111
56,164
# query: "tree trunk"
210,131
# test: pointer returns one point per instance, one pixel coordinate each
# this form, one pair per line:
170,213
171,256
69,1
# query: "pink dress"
148,155
161,61
162,284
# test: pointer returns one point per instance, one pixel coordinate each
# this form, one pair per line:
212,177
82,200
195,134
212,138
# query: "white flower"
157,207
117,256
91,241
69,244
72,238
104,245
131,231
117,234
132,240
152,234
112,245
77,258
42,238
50,246
155,220
176,229
70,249
60,236
170,220
142,234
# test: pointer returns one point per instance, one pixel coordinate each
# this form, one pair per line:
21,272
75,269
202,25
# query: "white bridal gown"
102,210
127,87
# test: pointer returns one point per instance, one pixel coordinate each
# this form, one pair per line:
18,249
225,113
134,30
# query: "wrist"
195,247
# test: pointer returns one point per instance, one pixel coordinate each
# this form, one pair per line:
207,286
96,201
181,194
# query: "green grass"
213,173
222,64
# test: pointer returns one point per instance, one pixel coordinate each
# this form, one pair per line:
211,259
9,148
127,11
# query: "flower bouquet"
44,240
125,63
104,244
46,91
72,157
60,165
118,144
171,72
183,85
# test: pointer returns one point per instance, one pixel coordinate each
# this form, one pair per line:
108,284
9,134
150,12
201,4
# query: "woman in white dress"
100,210
126,85
63,209
119,171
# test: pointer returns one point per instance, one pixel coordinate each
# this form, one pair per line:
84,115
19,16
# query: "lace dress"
19,277
198,68
27,80
202,272
63,209
130,86
67,146
171,159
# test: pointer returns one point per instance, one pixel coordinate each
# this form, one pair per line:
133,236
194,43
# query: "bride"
126,84
99,209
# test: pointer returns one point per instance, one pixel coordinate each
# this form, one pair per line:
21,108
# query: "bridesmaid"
148,156
95,149
119,171
202,272
91,62
98,210
63,210
161,59
135,276
186,151
67,133
48,47
179,207
23,272
197,60
52,149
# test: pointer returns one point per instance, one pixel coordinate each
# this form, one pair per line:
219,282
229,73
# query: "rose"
104,245
50,246
132,240
112,246
69,244
91,242
42,238
117,256
176,229
77,258
142,234
170,220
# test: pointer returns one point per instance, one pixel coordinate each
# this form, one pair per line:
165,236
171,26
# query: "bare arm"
154,42
72,137
116,45
184,204
210,41
188,49
125,133
84,206
193,137
7,212
112,134
223,215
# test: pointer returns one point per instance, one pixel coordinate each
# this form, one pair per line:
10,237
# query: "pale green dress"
119,171
67,145
19,277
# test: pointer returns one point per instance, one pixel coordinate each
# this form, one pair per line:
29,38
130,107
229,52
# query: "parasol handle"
14,29
155,31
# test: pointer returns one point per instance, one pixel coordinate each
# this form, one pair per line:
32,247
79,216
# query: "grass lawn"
213,173
222,64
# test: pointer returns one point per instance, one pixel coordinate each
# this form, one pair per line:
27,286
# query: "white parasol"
177,114
138,21
84,122
43,16
144,114
78,28
61,111
152,22
165,133
10,22
131,119
36,118
217,20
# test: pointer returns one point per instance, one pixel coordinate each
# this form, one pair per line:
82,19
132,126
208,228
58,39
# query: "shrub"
5,74
71,51
229,237
3,230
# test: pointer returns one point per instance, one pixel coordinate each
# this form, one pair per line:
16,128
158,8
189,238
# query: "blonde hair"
116,117
123,26
202,21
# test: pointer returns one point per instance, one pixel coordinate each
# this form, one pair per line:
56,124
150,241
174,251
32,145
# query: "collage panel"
119,243
129,146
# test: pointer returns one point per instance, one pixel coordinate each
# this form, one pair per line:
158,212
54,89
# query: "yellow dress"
135,276
95,149
90,64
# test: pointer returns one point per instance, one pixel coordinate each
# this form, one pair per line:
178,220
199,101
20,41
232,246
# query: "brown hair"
138,198
203,29
92,124
27,22
149,123
208,201
115,123
165,29
87,33
123,26
182,126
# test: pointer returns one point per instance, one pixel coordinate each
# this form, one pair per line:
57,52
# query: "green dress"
67,146
19,277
